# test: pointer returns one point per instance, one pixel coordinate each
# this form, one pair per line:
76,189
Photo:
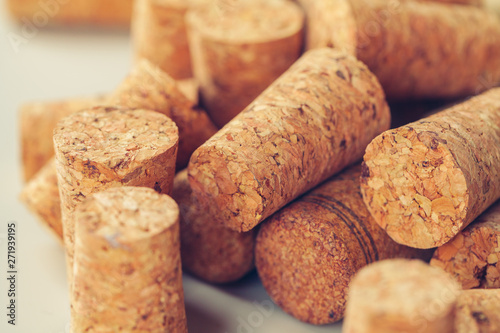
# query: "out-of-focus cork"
426,181
478,311
458,2
398,295
190,88
127,269
239,48
308,252
472,256
108,147
209,251
312,122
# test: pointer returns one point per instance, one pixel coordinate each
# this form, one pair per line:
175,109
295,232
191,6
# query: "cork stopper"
477,311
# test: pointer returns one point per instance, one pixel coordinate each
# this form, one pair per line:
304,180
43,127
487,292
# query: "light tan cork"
127,269
308,252
108,147
458,2
312,122
478,311
472,256
239,48
426,181
399,295
212,253
147,87
416,49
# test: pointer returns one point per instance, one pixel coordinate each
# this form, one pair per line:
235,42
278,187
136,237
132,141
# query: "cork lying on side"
307,253
312,122
426,181
478,311
128,274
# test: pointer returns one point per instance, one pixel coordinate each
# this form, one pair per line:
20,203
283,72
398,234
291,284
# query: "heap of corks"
281,113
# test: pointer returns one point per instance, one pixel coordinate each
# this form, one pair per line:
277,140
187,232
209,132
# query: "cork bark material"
472,256
478,311
147,87
416,49
478,3
312,122
253,41
128,274
398,295
308,252
108,147
426,181
209,251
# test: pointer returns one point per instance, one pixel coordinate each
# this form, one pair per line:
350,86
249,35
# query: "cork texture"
127,269
212,253
472,256
254,41
312,122
399,295
426,181
478,311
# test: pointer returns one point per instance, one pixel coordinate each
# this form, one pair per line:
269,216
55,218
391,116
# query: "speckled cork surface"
127,269
478,311
426,181
312,122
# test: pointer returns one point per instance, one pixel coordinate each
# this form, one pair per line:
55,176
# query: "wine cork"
399,295
239,48
147,87
189,87
108,147
478,3
308,252
416,49
127,269
312,122
477,311
426,181
472,256
212,253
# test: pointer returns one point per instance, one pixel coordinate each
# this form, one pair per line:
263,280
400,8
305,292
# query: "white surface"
57,64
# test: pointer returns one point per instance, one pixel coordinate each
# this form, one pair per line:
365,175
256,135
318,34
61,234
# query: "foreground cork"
401,295
308,252
213,253
478,311
313,121
426,181
108,147
239,48
416,49
472,256
128,274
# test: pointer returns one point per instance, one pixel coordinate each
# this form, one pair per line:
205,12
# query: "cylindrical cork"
147,87
426,181
308,252
312,122
472,256
458,2
239,48
128,275
416,49
108,147
478,311
398,295
37,122
209,251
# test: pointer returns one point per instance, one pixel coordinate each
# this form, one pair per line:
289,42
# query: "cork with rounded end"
308,252
416,49
147,87
239,48
399,295
312,122
426,181
127,268
472,256
478,311
108,147
37,122
212,253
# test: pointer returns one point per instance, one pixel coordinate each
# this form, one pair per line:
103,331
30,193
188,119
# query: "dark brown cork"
478,311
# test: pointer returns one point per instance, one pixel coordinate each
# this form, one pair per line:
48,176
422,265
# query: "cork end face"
414,188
